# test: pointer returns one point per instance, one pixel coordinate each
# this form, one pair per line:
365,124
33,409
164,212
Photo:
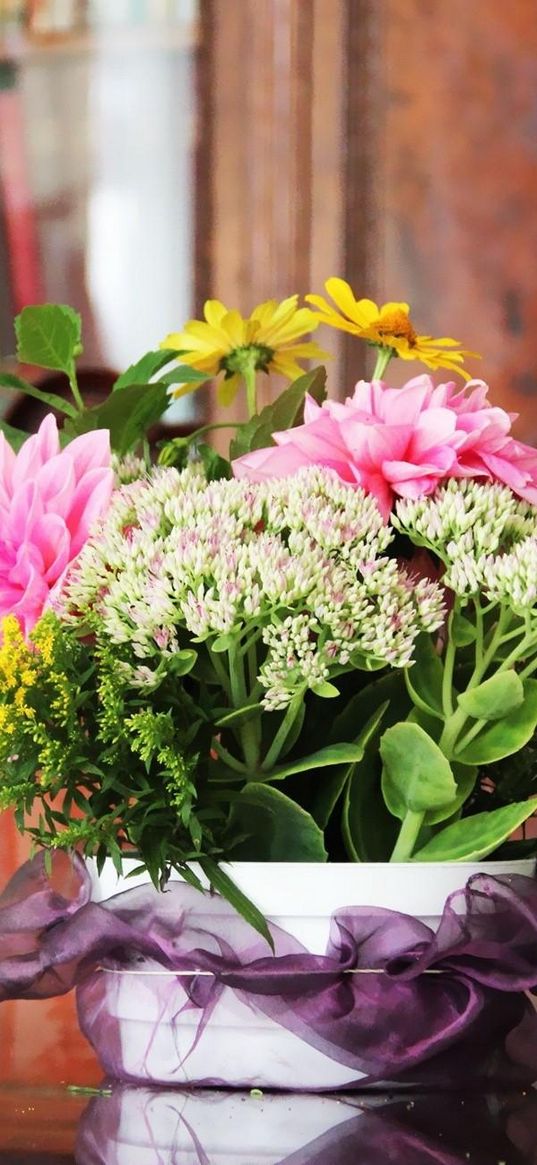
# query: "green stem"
384,355
447,678
231,761
283,731
250,380
483,658
220,671
75,390
528,670
210,428
455,722
408,835
236,677
251,656
248,732
469,736
506,665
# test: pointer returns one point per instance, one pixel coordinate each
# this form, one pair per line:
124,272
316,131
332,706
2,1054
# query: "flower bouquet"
320,649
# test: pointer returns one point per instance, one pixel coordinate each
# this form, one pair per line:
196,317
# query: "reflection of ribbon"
471,1022
427,1130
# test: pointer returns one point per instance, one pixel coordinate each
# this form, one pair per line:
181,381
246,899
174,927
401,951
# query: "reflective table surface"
119,1125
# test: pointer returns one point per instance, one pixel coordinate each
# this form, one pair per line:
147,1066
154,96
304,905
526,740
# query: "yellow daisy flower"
388,328
226,342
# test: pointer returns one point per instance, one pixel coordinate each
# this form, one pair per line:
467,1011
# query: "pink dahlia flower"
401,442
48,501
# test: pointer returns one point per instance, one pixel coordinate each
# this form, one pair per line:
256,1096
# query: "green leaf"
144,369
506,736
181,662
285,412
333,754
185,375
332,785
494,698
223,643
8,380
428,721
216,467
369,831
222,883
475,837
239,715
424,678
14,437
359,709
416,775
49,335
465,777
325,690
276,828
127,413
461,631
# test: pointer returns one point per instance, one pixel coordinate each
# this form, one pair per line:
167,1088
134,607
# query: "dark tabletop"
139,1126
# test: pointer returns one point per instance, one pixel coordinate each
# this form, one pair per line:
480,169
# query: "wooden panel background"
458,205
392,142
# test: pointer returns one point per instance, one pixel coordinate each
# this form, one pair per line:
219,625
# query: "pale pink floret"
49,498
401,442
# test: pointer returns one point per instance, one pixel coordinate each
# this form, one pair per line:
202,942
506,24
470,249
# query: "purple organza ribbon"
473,1018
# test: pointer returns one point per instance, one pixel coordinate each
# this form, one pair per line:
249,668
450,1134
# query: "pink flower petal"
52,539
56,484
90,499
49,498
90,451
36,450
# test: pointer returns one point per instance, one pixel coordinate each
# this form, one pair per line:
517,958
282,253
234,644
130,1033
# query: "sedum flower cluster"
484,535
298,568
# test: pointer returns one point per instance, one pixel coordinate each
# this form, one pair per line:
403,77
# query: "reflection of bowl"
141,1126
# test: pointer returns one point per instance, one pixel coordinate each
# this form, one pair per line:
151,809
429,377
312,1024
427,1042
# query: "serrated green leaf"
424,678
504,737
127,413
14,437
49,335
17,384
275,828
475,837
284,413
494,698
184,374
223,884
416,774
144,369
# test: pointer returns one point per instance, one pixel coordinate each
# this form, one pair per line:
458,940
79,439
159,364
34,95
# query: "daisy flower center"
396,325
245,357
